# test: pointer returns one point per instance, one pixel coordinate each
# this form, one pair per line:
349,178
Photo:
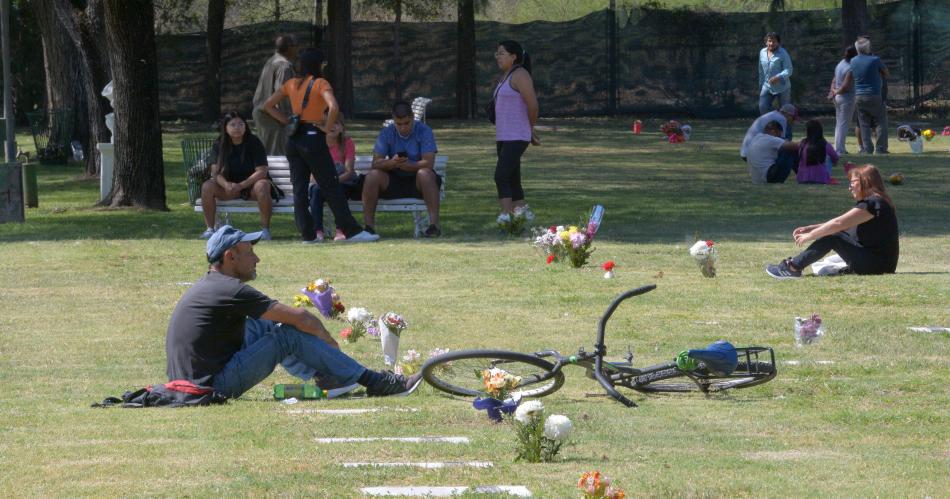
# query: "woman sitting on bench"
238,170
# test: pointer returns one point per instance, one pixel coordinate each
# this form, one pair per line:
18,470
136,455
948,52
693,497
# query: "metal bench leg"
222,218
421,219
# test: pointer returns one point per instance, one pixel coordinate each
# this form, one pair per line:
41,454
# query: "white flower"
412,356
358,314
529,410
558,427
504,218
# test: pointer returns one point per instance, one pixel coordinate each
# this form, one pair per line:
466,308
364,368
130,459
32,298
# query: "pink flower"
346,333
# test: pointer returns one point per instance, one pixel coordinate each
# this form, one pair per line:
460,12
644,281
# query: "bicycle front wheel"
460,372
673,380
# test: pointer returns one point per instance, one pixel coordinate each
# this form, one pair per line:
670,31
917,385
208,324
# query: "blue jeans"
785,163
267,344
766,99
317,200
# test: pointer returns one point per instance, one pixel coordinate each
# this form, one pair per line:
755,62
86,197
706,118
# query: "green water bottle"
304,391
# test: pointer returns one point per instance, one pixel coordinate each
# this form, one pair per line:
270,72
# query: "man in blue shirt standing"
867,75
403,161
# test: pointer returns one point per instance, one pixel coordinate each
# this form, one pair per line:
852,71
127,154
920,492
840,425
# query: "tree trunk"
397,54
139,169
276,11
86,30
64,87
854,20
215,30
340,68
466,106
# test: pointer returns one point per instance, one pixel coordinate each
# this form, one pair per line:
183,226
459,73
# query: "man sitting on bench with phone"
403,161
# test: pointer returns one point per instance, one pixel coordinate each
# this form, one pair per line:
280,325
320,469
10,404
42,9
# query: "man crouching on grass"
229,336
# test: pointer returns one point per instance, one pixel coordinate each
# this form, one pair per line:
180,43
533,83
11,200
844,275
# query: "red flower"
550,258
709,243
608,265
552,229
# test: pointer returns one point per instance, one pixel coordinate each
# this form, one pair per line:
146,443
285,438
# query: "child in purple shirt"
816,156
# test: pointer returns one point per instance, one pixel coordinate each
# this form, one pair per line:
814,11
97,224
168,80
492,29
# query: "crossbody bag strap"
306,96
507,76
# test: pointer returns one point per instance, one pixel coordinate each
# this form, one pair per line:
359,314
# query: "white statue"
110,118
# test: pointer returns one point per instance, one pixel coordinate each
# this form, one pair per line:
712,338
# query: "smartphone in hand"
402,154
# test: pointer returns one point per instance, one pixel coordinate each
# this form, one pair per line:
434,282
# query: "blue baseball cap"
226,237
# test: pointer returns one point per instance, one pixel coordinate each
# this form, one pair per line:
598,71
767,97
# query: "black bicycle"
719,367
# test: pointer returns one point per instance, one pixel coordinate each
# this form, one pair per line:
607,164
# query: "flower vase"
323,301
390,342
495,407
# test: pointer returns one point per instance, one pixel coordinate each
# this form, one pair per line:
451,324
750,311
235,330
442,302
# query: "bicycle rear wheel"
459,372
673,380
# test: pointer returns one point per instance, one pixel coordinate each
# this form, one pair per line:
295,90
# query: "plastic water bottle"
304,391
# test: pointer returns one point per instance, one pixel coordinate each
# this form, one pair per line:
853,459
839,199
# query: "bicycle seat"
720,357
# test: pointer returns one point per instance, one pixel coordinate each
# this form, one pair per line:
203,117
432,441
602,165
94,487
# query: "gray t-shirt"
758,126
207,327
763,151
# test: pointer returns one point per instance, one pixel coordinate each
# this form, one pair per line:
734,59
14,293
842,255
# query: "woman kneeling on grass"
865,236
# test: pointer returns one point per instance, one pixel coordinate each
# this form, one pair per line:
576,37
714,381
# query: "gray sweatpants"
871,114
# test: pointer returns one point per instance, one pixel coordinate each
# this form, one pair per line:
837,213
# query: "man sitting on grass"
770,157
229,336
403,161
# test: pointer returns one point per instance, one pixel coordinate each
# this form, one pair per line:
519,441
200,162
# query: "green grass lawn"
86,294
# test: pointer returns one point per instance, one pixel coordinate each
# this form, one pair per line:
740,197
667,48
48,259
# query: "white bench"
279,169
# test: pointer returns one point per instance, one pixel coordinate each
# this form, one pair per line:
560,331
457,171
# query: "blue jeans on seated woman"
267,344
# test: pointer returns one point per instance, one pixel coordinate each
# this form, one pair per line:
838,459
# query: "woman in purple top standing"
516,111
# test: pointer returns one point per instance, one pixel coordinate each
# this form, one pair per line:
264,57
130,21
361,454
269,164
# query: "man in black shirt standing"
229,336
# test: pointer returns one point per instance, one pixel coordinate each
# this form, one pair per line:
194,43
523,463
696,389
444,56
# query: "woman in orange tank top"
310,95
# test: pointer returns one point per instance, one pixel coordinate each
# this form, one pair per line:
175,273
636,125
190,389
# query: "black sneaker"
370,229
394,384
783,271
432,231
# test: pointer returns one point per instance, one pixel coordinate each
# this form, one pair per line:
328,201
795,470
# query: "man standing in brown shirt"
278,69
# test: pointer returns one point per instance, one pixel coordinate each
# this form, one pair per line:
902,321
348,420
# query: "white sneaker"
504,218
265,234
362,237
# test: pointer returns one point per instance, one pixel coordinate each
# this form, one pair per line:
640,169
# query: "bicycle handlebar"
600,349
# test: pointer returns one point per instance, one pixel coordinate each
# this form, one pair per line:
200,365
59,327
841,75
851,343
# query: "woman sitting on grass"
816,156
865,236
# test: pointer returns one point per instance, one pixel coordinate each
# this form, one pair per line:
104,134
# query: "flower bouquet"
360,321
573,243
808,331
705,254
539,439
675,131
596,486
515,222
320,295
608,267
411,363
391,327
498,397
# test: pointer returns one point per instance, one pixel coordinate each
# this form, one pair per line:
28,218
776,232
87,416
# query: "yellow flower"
565,236
311,286
572,229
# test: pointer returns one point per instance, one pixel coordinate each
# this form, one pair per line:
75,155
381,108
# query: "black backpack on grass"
177,393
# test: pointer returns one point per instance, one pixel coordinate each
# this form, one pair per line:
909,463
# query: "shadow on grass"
653,192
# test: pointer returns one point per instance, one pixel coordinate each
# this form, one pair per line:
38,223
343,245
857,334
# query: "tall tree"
139,168
340,67
466,104
854,19
86,28
215,31
418,9
64,88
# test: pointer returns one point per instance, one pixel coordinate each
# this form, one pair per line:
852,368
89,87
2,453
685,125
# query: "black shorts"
404,187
